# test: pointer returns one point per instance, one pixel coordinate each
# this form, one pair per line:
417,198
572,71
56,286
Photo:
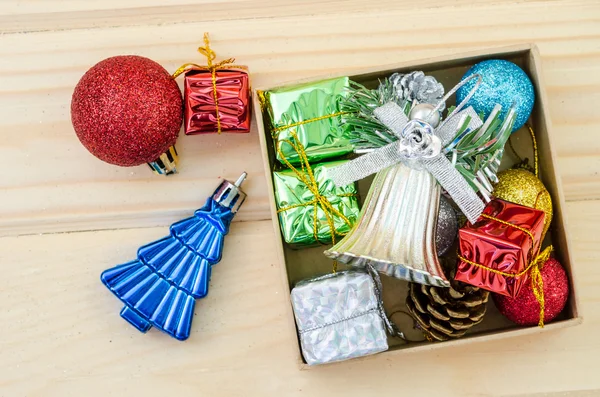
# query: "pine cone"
415,86
446,313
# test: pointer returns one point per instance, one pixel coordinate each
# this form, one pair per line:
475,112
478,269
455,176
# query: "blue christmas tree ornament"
160,288
503,83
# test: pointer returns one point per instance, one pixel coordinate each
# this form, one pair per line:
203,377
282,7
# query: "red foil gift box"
216,105
501,239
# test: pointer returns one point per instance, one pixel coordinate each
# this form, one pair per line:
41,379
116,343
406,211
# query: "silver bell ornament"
411,154
397,240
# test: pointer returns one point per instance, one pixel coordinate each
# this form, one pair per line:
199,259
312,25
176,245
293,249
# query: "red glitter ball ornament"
525,309
127,110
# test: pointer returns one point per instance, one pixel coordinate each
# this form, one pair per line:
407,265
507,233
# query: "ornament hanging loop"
461,105
207,51
535,150
524,163
211,56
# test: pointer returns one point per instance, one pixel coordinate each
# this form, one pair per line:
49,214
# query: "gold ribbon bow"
537,262
212,68
306,176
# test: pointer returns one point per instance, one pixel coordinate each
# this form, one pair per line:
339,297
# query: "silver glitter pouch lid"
338,317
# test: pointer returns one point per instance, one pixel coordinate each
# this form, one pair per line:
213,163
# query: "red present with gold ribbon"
216,96
500,251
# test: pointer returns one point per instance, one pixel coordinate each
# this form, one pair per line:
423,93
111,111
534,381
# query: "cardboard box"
310,262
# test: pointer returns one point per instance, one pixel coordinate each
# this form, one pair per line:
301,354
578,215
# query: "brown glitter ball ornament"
127,110
447,227
525,309
520,186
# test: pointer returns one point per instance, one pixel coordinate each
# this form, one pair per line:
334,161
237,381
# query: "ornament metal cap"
166,164
229,194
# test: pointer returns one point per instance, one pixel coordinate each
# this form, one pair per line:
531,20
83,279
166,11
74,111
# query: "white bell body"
396,229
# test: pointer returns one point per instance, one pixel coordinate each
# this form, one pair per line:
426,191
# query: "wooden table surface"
65,216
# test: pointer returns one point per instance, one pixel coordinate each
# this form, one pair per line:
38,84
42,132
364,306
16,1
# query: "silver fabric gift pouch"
339,316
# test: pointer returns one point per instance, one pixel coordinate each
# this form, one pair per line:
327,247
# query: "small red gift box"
495,251
216,105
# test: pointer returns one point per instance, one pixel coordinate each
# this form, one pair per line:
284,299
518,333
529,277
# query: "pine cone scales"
446,313
417,87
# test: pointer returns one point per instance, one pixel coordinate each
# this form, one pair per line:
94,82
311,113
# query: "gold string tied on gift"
537,262
212,68
275,132
306,175
264,102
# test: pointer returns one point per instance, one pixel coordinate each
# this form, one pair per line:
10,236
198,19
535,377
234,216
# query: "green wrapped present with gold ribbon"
311,111
311,208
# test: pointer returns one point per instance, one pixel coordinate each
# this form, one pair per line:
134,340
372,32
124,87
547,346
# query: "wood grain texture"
47,15
62,334
55,185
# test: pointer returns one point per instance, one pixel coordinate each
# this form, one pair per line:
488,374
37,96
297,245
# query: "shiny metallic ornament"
216,95
520,186
339,316
304,224
288,109
447,227
396,229
427,113
160,287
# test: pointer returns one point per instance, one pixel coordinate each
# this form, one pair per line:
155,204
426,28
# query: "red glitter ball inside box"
525,309
127,110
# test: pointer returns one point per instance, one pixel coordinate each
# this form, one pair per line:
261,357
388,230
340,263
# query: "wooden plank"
20,7
19,16
53,184
62,335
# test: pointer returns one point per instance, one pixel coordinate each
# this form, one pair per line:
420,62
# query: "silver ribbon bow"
420,145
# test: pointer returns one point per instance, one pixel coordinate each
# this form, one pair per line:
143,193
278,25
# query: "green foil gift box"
309,204
312,112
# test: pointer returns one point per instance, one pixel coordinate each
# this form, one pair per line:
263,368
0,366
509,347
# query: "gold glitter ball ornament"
522,187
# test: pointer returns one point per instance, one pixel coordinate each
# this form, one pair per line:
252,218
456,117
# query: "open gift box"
310,262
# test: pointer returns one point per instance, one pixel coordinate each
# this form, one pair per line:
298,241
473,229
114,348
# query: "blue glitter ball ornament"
502,82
